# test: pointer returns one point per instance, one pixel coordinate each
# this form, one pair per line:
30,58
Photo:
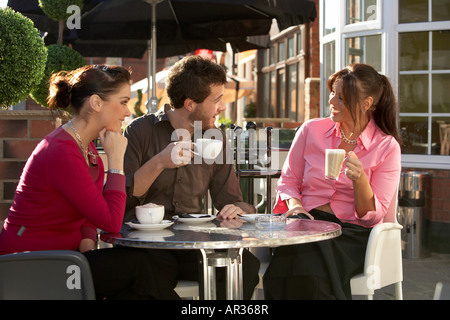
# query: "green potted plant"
22,57
60,58
57,10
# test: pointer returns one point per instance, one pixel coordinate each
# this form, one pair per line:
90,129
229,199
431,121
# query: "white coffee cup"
150,213
334,158
208,148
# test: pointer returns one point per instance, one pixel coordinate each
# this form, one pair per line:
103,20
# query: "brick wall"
20,132
312,98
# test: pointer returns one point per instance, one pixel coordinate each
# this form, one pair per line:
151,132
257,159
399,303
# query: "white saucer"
252,217
195,219
150,226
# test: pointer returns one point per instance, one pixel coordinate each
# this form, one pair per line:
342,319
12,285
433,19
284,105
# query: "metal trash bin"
412,202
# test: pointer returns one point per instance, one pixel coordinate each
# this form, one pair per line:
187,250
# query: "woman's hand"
115,145
354,168
362,190
86,245
295,207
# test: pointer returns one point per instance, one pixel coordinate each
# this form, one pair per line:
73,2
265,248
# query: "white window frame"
387,25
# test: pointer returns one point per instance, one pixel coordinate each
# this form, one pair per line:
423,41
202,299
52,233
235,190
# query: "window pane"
273,94
281,51
266,96
441,93
440,10
281,92
272,54
413,93
441,136
299,43
413,51
415,135
331,9
291,99
291,48
441,50
361,10
413,11
364,50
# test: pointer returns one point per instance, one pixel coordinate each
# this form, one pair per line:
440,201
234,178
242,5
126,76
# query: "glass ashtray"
270,222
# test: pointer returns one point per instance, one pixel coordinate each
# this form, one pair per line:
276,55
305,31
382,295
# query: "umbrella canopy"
179,25
177,21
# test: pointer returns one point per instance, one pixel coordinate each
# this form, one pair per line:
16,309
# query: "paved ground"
420,277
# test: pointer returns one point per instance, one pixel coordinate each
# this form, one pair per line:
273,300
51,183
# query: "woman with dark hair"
363,122
62,196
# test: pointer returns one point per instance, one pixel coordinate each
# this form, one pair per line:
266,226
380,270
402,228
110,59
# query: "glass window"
441,136
364,50
411,11
281,92
441,49
413,47
281,51
415,135
440,93
291,99
440,10
413,93
424,94
361,11
331,14
414,132
273,94
299,43
291,47
266,96
272,54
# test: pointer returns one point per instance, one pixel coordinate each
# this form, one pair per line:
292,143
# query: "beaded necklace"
346,139
86,152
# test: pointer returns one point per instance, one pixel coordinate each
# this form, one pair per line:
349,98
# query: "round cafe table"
231,235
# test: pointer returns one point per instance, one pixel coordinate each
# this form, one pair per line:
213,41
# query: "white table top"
213,235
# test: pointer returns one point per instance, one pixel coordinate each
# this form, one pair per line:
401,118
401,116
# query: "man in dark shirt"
160,167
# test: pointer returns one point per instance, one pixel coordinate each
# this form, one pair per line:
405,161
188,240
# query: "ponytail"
385,110
59,92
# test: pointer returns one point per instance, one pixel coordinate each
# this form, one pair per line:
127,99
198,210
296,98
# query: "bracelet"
116,171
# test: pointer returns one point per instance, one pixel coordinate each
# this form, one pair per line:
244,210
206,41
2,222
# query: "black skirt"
318,270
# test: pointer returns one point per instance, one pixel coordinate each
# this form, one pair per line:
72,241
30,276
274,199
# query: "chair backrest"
46,275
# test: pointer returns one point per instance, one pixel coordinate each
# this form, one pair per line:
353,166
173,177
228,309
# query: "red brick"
13,128
9,188
4,210
41,128
11,169
18,149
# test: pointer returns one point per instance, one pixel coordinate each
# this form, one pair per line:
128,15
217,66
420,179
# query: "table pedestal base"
232,260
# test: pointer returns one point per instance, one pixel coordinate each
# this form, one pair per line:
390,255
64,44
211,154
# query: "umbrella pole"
152,103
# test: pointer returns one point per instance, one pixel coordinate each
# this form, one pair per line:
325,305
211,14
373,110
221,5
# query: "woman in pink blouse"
363,122
62,197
